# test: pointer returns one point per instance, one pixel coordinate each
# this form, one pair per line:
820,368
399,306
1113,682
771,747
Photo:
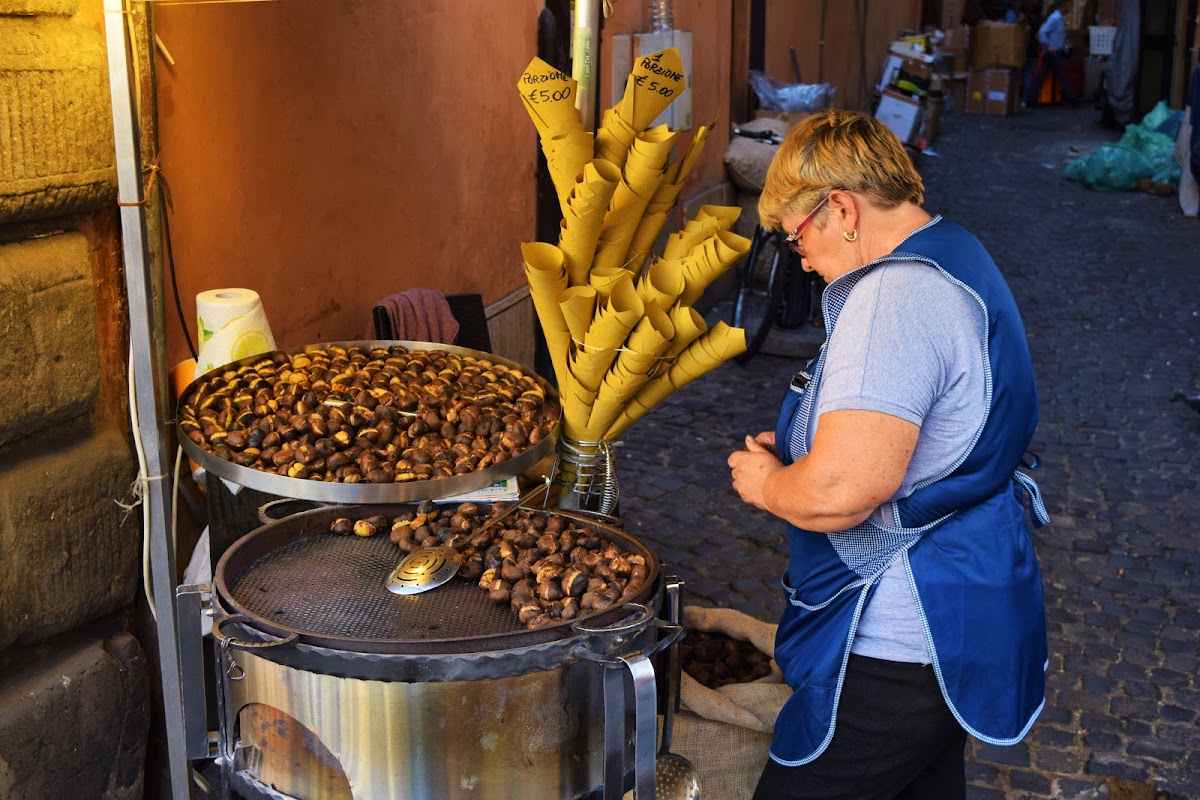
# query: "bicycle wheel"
761,291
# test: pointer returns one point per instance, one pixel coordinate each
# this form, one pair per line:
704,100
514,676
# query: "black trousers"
1051,62
894,738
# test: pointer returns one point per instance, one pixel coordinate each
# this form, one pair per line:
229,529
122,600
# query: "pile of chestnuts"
544,566
383,415
716,659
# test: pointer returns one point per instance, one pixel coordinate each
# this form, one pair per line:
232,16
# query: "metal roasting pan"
283,486
295,580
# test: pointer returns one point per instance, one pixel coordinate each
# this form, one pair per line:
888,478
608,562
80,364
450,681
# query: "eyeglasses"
792,240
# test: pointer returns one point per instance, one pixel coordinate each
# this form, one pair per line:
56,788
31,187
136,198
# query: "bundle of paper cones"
620,324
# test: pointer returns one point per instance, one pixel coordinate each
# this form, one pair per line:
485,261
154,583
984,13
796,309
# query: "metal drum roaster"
329,687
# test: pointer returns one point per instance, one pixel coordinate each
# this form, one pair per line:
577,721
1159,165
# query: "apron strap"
1037,507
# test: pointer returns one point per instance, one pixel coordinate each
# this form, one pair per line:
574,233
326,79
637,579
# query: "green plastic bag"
1112,168
1142,153
1157,116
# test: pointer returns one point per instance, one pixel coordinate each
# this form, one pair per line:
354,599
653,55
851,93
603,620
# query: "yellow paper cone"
549,96
689,325
583,218
596,187
725,215
653,392
630,414
682,243
706,262
644,237
614,138
693,361
605,409
652,334
613,323
578,306
609,256
548,280
661,284
618,388
603,279
576,405
577,240
725,341
654,82
678,173
665,196
730,247
566,155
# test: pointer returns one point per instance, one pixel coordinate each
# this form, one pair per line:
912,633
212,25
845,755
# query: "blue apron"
962,536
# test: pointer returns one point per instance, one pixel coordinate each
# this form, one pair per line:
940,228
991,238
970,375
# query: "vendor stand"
321,706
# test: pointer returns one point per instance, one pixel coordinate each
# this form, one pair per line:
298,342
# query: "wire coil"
587,476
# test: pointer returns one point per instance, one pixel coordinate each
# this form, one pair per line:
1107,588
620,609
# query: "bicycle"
773,290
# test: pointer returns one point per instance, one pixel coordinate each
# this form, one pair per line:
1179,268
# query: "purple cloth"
420,315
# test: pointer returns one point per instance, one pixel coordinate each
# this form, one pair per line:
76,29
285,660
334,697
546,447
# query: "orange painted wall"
326,154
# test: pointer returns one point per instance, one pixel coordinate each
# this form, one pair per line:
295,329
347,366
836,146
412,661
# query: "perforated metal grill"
329,585
294,577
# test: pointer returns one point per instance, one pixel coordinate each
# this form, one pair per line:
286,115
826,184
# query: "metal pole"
149,379
585,54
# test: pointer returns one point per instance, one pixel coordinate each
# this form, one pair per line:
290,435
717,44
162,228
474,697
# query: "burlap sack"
746,160
726,732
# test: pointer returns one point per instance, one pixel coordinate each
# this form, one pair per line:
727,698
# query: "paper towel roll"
230,325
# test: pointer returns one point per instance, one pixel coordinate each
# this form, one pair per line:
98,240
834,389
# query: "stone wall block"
74,720
48,344
61,8
70,553
56,136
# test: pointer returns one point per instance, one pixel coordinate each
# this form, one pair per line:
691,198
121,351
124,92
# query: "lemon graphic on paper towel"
249,343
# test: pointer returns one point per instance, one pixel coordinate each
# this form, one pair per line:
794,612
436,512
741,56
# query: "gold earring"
851,236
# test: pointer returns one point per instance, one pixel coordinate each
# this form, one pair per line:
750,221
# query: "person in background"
1015,12
1052,37
914,610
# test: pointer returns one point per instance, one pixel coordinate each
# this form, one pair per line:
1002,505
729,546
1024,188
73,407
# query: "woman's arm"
857,462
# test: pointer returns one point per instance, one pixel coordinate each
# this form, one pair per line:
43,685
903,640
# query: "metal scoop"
675,778
430,567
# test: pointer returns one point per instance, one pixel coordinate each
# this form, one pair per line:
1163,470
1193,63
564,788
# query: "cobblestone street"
1109,287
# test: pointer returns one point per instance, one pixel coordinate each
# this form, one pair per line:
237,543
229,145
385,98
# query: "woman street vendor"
915,612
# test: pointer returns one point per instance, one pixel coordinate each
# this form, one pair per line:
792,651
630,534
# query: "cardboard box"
992,92
952,13
956,38
915,72
996,44
957,42
916,69
902,114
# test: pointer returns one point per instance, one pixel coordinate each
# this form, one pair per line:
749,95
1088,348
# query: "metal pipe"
149,380
585,58
662,16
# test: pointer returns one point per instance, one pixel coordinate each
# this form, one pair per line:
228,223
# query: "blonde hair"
836,148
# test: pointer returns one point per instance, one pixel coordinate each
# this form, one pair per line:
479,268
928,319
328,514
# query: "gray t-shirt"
908,343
